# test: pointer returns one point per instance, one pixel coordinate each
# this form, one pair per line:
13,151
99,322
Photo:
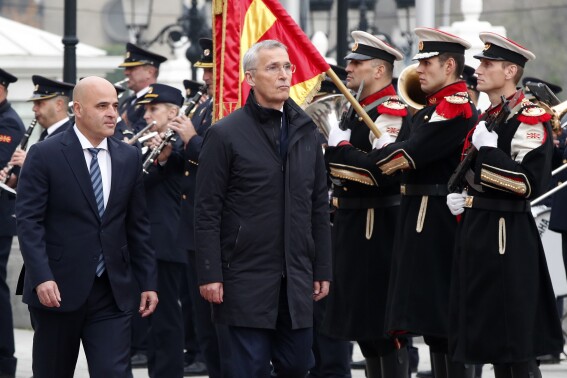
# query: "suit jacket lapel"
117,163
75,157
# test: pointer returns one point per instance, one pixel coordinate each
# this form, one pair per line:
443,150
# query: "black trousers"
247,352
204,327
165,337
99,324
7,359
332,356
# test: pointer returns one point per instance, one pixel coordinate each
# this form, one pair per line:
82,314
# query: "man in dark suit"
11,132
50,107
85,239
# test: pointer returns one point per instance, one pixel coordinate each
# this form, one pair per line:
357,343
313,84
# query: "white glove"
484,138
456,202
337,135
384,139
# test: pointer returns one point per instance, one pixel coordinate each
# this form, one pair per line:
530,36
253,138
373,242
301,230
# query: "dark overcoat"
258,217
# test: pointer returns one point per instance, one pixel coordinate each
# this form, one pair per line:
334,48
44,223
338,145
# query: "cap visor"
37,97
131,64
482,56
203,65
357,56
425,55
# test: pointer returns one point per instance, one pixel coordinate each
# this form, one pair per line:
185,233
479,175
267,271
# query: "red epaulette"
454,106
394,107
532,114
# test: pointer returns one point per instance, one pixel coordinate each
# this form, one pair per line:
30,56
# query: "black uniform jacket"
366,206
11,132
259,218
502,302
418,293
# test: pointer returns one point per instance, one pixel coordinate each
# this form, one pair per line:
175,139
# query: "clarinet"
169,134
195,99
23,146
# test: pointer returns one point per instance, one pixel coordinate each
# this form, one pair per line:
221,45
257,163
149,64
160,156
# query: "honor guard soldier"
366,204
192,131
502,303
471,80
141,68
50,101
418,294
11,132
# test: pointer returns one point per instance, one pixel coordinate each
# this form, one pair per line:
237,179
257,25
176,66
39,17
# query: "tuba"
409,88
326,112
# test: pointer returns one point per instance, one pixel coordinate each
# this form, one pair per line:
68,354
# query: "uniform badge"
5,138
36,88
487,46
420,46
127,54
206,52
533,111
394,103
355,47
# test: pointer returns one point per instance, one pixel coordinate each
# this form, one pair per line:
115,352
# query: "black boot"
438,365
395,364
373,369
458,369
534,370
528,369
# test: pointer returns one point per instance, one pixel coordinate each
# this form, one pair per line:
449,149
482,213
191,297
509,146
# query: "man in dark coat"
366,212
502,303
262,224
11,132
418,294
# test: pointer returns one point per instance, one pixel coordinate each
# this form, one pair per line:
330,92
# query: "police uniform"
135,56
502,302
11,132
364,221
163,190
204,328
418,293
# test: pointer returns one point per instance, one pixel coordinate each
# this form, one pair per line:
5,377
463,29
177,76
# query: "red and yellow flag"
237,25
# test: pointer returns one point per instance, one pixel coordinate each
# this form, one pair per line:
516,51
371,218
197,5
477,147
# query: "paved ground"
24,347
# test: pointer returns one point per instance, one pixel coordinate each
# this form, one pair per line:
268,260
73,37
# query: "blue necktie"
96,180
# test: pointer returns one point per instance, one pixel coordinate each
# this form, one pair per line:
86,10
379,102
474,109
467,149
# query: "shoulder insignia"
532,114
454,106
459,98
393,106
5,138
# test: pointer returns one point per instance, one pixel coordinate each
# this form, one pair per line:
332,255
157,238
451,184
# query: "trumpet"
195,99
23,146
139,134
169,134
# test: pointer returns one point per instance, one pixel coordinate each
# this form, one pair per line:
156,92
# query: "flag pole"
359,110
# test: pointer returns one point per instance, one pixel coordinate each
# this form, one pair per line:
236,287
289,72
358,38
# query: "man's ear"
510,71
77,108
249,78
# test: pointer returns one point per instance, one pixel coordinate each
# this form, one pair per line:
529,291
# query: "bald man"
84,234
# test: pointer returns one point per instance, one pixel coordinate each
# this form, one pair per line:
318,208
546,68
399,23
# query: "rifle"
458,177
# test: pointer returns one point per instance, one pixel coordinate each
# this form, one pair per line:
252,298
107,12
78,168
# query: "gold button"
186,173
184,196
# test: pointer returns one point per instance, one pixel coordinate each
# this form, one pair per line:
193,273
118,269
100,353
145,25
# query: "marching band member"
11,131
366,205
50,107
502,303
162,104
